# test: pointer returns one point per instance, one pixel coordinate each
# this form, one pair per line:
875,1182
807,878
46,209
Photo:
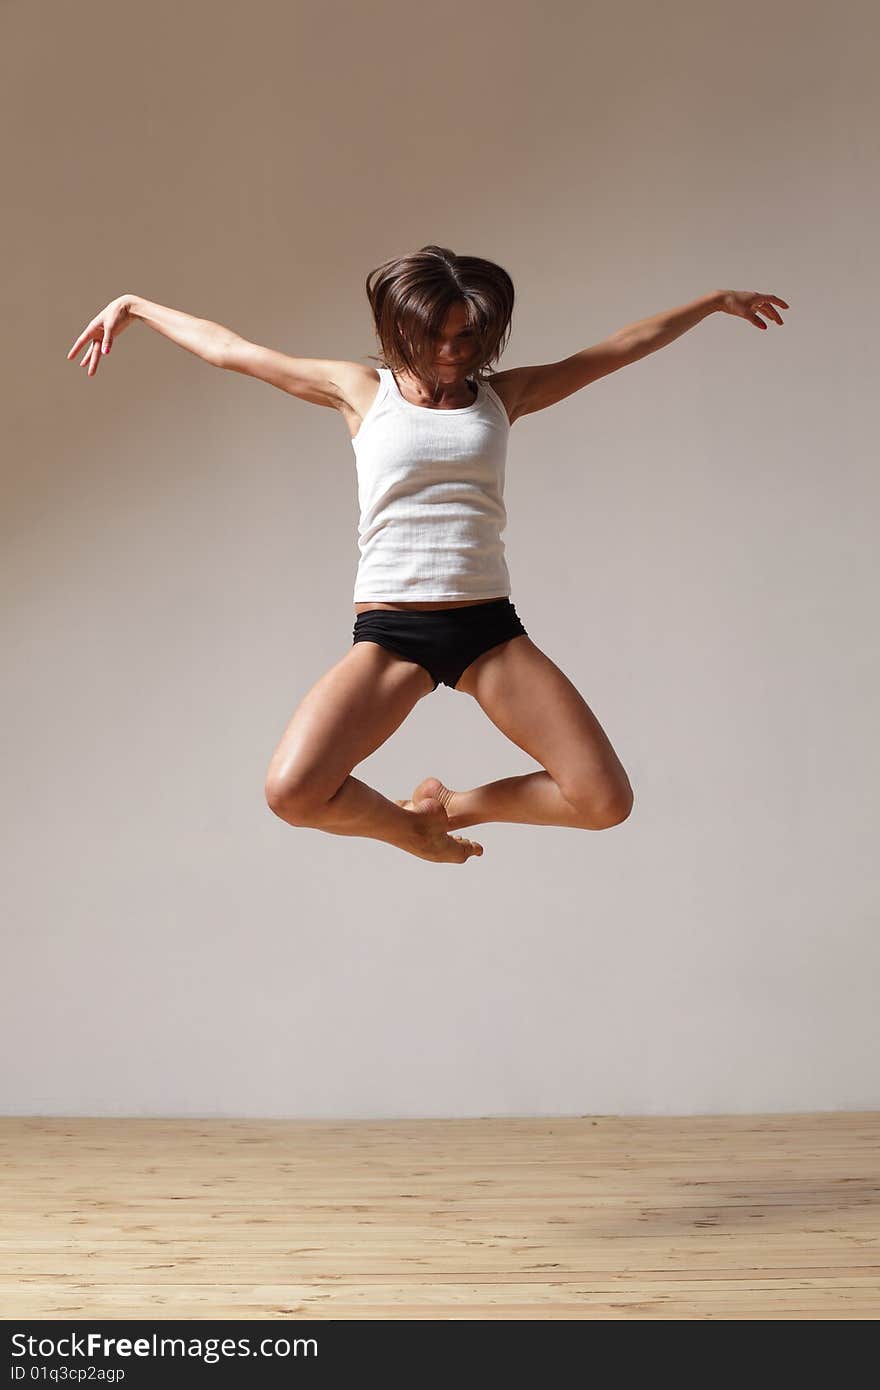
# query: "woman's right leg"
349,713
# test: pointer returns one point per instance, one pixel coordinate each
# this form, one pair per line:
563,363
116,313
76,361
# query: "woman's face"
454,348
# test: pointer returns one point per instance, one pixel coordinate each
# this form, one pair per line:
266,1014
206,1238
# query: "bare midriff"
424,607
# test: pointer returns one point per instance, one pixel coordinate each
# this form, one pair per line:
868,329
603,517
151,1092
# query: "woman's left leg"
533,702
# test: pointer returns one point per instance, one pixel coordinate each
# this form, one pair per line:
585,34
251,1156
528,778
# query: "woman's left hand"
746,303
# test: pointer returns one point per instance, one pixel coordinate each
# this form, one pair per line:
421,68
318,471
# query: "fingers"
83,338
92,354
101,335
765,303
100,329
766,307
108,333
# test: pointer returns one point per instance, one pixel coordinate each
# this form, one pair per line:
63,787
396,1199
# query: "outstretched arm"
203,337
328,383
638,339
208,340
535,388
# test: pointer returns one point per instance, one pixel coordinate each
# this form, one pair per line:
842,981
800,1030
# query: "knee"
617,811
611,810
292,801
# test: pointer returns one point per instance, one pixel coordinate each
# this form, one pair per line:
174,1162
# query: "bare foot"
430,787
432,830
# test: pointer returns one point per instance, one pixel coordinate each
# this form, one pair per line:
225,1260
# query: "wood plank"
578,1217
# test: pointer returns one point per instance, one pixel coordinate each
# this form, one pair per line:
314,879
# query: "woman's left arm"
528,389
650,334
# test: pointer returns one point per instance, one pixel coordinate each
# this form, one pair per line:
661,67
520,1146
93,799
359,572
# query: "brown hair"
411,296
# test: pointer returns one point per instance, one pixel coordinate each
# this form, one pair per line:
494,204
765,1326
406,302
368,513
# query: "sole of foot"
434,840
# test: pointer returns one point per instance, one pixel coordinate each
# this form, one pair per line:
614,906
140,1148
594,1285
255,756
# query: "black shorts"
443,640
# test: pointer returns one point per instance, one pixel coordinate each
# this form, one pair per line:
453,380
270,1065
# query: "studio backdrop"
692,540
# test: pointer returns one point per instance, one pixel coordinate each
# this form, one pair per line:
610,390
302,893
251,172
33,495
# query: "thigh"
539,709
348,713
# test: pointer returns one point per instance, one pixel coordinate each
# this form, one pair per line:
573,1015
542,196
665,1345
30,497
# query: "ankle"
456,811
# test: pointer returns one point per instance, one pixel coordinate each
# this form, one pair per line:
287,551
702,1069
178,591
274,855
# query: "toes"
469,844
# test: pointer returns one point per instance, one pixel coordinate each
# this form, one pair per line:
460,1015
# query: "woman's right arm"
206,339
330,383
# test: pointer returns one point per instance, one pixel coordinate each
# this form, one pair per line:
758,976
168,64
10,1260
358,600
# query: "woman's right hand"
102,331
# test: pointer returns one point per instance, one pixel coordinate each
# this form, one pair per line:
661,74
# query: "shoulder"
358,385
510,386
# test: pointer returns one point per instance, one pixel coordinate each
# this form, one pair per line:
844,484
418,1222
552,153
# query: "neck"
452,389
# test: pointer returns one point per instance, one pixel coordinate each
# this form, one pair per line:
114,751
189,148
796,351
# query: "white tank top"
430,488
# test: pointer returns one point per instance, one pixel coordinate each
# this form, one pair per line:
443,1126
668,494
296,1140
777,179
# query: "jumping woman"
429,428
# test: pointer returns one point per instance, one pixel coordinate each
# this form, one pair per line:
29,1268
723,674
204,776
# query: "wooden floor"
595,1217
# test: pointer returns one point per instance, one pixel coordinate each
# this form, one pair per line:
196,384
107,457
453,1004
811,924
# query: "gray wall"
692,540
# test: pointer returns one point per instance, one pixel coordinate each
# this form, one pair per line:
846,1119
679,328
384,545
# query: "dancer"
429,428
